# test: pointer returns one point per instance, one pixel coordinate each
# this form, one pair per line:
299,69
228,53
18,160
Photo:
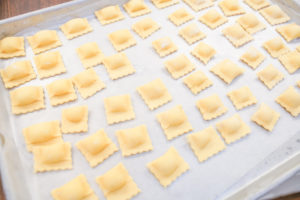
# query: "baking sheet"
208,180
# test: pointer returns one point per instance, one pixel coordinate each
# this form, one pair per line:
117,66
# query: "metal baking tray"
247,169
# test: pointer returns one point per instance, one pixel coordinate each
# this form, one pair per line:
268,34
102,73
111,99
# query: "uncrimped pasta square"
174,122
289,31
74,119
49,64
233,128
205,143
291,61
109,14
180,16
57,156
274,15
164,46
134,140
118,66
265,117
197,82
203,52
88,83
96,147
42,134
179,66
61,91
118,109
90,55
252,57
27,99
290,101
257,4
191,33
213,19
250,23
227,70
122,39
237,35
12,47
276,47
270,76
211,107
43,41
164,3
117,184
76,27
17,73
231,7
242,97
154,93
145,27
77,188
168,167
198,5
136,8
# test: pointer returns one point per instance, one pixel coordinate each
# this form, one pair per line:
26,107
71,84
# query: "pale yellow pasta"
191,33
145,27
203,52
136,8
197,82
274,15
252,57
109,14
117,184
237,35
198,5
168,167
17,73
164,3
250,23
90,55
276,47
298,48
270,76
180,16
257,4
122,39
265,117
291,61
290,101
298,84
74,119
231,7
179,66
242,97
289,31
164,46
212,18
12,47
76,27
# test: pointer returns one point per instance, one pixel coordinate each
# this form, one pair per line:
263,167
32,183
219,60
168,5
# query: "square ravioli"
122,39
237,35
61,91
12,47
252,57
197,82
265,117
49,64
168,167
291,61
290,101
154,94
117,184
52,157
134,140
145,27
136,8
42,134
227,70
43,41
88,83
205,143
164,46
74,119
203,52
77,188
198,5
96,147
231,7
17,73
211,107
233,128
257,4
191,33
27,99
180,16
250,23
179,66
174,122
76,27
164,3
90,55
276,47
242,97
109,14
274,15
270,76
118,66
213,19
118,109
289,31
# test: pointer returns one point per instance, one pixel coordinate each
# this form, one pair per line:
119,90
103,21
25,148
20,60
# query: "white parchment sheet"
207,180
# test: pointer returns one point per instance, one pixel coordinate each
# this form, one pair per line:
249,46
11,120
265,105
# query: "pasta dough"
266,117
180,16
203,52
76,27
74,119
164,46
257,4
12,47
109,14
250,23
270,76
168,167
252,57
145,27
198,5
164,3
122,39
289,32
274,15
291,61
290,100
242,97
136,8
276,47
197,82
237,35
191,33
179,66
231,7
90,55
212,18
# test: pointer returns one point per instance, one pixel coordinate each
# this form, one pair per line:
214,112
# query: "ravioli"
289,32
164,46
164,3
191,33
290,101
237,35
109,14
242,97
252,57
145,27
12,47
90,55
197,82
257,4
251,23
213,19
122,39
179,66
198,5
276,47
180,16
266,117
274,15
74,119
136,8
291,61
203,52
76,27
231,7
270,76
